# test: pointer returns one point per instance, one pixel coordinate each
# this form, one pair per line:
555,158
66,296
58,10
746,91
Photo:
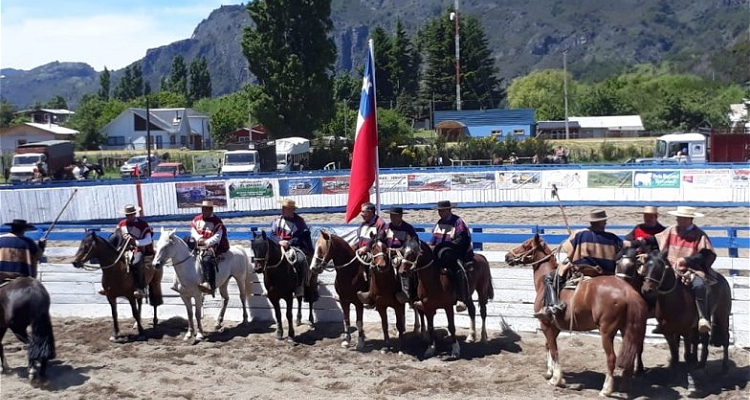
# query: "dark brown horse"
384,285
350,279
118,281
24,302
479,278
604,302
434,290
677,313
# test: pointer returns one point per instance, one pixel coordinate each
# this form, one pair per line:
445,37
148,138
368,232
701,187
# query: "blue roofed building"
519,123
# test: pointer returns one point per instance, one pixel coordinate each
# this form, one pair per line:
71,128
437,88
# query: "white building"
170,128
30,132
609,126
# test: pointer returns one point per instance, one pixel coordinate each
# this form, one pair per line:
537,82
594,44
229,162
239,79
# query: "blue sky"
100,33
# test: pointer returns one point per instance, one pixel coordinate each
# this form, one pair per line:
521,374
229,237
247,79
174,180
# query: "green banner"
243,189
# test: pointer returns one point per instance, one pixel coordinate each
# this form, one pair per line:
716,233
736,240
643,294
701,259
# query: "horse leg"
431,330
472,337
311,316
298,322
115,325
224,303
279,321
347,336
135,307
4,367
483,314
417,320
289,317
401,327
609,351
673,341
189,307
704,349
384,326
199,335
360,326
455,347
553,360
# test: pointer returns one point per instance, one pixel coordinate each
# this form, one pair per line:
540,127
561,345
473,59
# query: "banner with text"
247,188
192,194
473,181
741,177
610,179
429,182
706,178
656,179
518,179
300,186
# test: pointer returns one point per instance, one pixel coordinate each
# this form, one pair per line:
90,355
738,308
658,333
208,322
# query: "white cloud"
111,38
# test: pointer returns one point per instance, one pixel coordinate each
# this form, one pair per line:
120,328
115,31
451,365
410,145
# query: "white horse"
235,264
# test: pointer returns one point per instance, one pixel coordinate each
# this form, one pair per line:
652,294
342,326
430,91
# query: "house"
30,132
608,126
170,128
47,115
519,123
556,129
244,135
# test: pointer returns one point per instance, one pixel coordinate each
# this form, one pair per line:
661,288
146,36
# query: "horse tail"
42,343
635,331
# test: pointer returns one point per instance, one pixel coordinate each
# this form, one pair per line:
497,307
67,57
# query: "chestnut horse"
384,285
350,279
117,279
24,303
677,313
434,289
604,302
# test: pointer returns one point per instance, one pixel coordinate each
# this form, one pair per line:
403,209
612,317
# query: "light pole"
565,92
454,18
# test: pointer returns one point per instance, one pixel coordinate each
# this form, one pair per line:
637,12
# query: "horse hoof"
547,375
360,344
291,341
470,339
113,339
344,344
384,350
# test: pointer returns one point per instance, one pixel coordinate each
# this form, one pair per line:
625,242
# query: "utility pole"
565,92
454,17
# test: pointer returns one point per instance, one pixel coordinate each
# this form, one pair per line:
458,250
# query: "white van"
240,162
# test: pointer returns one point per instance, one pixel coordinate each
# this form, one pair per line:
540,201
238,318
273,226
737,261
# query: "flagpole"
371,45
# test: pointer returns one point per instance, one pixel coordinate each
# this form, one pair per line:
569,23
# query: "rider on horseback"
588,248
372,226
451,242
291,231
135,233
19,253
209,235
649,227
687,246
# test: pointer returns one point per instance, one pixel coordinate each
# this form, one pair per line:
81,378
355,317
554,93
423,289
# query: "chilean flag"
365,155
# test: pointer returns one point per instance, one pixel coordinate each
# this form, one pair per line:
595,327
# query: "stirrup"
704,326
460,306
418,305
139,293
205,287
102,292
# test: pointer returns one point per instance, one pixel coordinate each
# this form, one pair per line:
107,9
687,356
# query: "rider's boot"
299,290
205,286
700,291
552,304
138,281
461,290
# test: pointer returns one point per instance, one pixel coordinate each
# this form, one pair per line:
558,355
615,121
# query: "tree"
137,82
406,64
384,88
200,80
7,113
57,102
291,54
124,90
178,76
542,91
104,81
480,87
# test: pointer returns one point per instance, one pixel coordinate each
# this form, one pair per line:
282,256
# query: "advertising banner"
656,179
473,181
429,182
392,183
610,179
706,178
206,165
572,179
741,177
247,188
517,179
192,194
300,186
335,184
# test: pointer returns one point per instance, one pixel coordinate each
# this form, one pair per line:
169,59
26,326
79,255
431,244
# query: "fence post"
733,250
537,229
477,245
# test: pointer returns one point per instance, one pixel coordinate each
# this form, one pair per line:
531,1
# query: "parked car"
127,169
652,161
169,170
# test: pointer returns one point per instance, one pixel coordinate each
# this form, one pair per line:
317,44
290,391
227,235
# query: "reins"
328,250
93,267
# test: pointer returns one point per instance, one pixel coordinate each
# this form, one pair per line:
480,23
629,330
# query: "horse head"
87,248
415,253
331,248
262,251
526,252
654,271
381,259
628,264
164,249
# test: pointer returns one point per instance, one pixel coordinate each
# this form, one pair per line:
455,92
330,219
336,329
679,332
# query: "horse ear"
263,234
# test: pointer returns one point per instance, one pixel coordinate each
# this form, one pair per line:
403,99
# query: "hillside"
601,39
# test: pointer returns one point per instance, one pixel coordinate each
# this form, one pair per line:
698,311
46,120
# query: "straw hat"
288,203
651,210
684,211
207,203
130,209
596,215
396,211
20,224
444,205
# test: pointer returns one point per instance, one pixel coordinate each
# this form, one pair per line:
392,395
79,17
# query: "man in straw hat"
291,232
451,239
396,233
18,253
587,248
688,247
649,227
136,233
208,233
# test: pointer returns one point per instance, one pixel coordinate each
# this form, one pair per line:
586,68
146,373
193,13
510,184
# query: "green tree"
347,88
86,122
104,82
406,64
124,91
384,89
542,91
57,102
7,113
291,54
178,76
200,80
137,82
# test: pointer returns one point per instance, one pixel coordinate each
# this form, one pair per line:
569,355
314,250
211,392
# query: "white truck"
240,162
292,153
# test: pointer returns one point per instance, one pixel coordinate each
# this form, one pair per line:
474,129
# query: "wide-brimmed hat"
130,209
20,224
289,203
685,211
444,205
596,215
207,203
651,210
396,211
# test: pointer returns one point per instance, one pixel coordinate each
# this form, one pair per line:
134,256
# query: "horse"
383,288
93,171
434,289
350,279
479,278
117,279
605,302
24,302
234,264
279,279
671,295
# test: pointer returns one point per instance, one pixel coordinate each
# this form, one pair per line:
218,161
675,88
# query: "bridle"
265,260
660,281
325,259
522,257
405,260
87,256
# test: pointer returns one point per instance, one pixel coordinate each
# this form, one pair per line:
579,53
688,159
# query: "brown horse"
118,281
479,278
350,279
604,302
434,290
384,285
663,283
